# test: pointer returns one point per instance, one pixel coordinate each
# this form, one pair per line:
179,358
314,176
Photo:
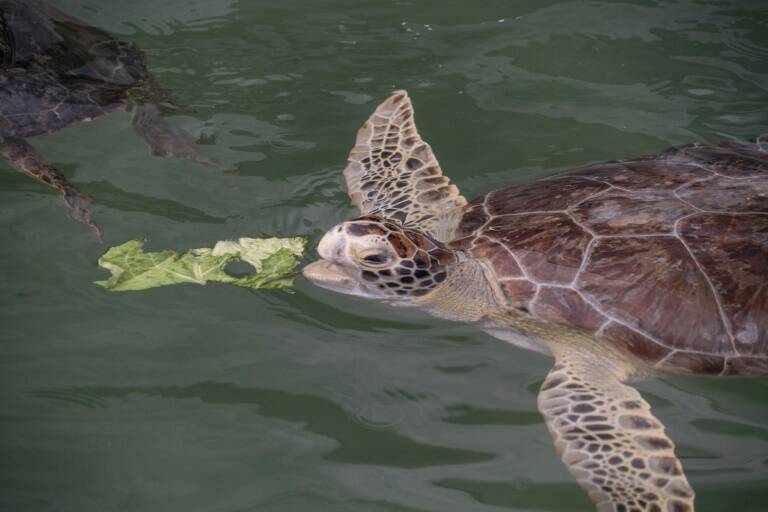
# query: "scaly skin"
593,267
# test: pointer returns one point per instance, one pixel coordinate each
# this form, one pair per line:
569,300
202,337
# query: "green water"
216,399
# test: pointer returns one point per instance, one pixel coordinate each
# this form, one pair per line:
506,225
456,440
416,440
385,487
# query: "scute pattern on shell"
665,256
59,71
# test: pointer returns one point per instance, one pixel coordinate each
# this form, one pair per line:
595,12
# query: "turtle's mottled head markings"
376,258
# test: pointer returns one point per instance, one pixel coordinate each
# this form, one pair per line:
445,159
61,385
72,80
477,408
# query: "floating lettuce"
273,260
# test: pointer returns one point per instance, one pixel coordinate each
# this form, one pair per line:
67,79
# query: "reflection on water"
217,399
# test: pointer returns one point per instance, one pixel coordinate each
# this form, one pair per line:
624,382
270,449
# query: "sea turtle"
56,70
619,270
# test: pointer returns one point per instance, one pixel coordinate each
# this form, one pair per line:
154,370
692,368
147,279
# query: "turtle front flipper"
609,440
392,172
23,157
164,140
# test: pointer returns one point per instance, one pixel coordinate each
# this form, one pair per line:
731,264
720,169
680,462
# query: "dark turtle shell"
56,70
664,255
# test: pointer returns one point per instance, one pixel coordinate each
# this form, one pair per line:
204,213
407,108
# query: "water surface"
216,399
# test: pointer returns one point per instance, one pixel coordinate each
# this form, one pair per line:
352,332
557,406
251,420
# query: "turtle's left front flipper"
393,172
163,139
608,438
23,157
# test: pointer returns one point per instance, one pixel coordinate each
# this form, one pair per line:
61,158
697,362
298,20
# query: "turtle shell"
665,256
56,70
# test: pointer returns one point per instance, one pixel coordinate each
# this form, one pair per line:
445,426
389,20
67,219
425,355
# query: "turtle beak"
327,274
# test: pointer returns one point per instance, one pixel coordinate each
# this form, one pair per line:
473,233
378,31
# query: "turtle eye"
375,259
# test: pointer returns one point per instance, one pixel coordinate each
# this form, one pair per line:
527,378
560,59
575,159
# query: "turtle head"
375,258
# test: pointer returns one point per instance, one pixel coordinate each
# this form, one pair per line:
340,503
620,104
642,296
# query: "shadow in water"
358,443
523,495
470,415
104,193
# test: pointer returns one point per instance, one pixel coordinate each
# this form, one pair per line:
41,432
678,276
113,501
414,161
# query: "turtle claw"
165,141
79,205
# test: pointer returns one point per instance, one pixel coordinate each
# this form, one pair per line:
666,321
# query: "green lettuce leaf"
273,260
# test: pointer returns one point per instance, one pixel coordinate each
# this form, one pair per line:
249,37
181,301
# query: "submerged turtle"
619,270
56,70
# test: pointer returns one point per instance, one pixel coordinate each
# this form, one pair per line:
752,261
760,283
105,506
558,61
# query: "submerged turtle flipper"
23,157
604,431
164,140
609,439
